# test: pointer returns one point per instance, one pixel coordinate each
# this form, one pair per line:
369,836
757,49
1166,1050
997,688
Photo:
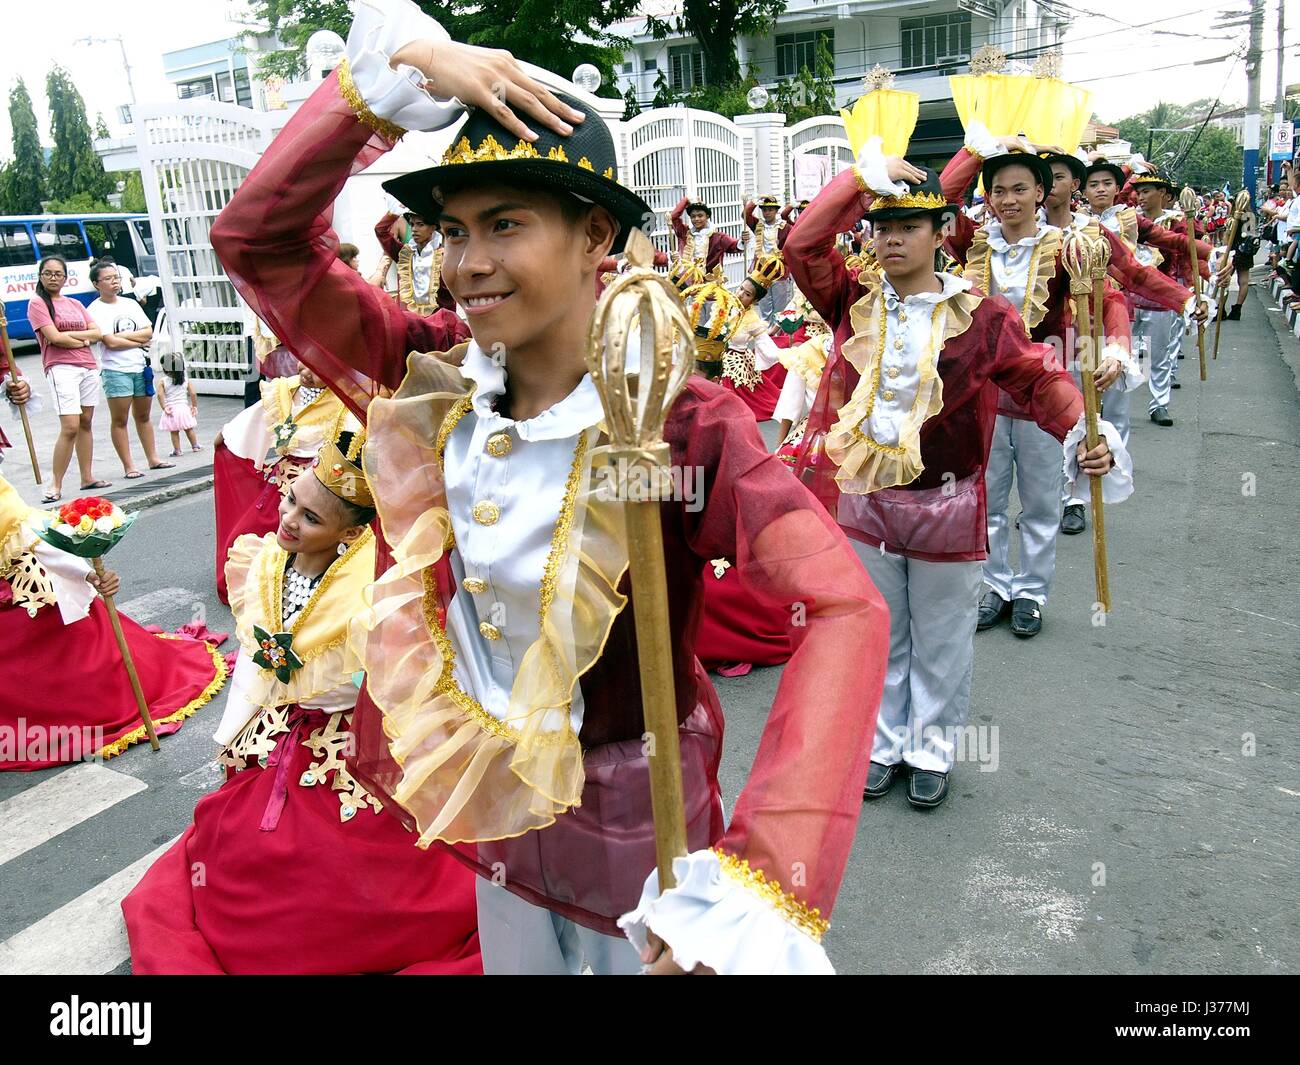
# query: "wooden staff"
1080,256
1240,206
22,410
127,660
636,405
1187,201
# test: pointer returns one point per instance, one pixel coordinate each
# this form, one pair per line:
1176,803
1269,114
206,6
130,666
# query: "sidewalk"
1285,322
193,472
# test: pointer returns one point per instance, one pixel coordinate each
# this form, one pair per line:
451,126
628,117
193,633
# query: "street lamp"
126,63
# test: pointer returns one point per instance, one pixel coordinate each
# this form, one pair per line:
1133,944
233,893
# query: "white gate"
820,135
671,151
193,156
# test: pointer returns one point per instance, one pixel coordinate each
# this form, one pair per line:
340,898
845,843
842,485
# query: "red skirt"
246,503
737,629
75,699
762,401
312,895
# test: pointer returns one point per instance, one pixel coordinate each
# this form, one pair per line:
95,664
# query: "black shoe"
926,789
1073,520
880,778
1161,416
1234,315
993,611
1026,618
1174,384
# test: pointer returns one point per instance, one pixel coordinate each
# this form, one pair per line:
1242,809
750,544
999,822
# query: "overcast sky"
1117,63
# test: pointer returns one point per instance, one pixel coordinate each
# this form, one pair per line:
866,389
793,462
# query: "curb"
165,495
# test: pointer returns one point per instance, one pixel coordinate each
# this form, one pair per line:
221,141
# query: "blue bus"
80,239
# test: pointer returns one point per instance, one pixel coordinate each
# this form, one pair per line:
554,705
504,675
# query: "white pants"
933,608
1114,409
1035,458
520,939
1155,330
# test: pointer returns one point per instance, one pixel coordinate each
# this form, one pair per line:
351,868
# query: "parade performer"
700,240
302,871
899,436
752,366
75,700
259,452
418,261
504,708
804,363
769,233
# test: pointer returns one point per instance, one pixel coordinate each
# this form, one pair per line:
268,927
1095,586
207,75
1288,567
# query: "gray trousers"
1160,334
776,300
933,607
1035,459
520,939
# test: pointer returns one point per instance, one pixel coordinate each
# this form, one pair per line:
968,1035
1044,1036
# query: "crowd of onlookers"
106,347
1280,226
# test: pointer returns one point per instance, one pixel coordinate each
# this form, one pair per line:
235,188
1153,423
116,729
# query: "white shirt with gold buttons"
1009,263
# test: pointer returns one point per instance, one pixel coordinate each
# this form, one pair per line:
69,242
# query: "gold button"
486,512
499,445
489,631
898,345
893,371
902,316
889,394
474,585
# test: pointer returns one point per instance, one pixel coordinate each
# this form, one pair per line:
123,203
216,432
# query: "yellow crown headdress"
884,112
1036,102
714,313
338,466
684,273
768,269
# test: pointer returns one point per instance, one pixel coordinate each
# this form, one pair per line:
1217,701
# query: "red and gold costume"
707,247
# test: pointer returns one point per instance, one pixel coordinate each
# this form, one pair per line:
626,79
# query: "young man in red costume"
700,241
502,706
899,439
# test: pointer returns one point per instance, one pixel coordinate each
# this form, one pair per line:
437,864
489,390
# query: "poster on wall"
811,174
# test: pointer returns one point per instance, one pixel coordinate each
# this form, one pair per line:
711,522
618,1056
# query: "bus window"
112,238
145,232
61,238
16,246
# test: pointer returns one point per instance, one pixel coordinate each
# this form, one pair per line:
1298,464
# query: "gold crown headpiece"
491,150
911,201
714,312
768,269
338,466
685,273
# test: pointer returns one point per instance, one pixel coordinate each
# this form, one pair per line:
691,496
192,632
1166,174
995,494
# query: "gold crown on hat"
491,150
768,269
685,273
338,465
926,201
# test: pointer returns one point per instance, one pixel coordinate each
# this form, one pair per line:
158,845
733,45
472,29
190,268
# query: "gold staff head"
1100,257
1076,255
1241,204
644,304
1188,202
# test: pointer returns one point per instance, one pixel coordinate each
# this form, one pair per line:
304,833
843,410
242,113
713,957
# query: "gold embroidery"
858,432
499,445
329,744
352,96
30,584
406,282
807,919
486,512
491,150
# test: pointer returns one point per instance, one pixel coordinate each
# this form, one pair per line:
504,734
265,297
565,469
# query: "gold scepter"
1086,285
1187,201
1240,206
22,410
636,400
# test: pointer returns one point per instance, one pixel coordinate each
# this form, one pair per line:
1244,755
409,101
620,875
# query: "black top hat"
1041,169
1102,166
1076,165
769,201
925,198
696,205
582,164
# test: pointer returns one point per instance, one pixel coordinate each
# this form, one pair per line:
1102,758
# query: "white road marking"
144,608
85,937
43,811
1288,791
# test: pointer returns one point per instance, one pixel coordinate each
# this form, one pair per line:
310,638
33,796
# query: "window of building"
933,39
197,89
16,246
650,64
794,51
687,66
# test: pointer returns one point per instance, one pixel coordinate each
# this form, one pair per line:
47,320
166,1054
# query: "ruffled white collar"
999,243
952,284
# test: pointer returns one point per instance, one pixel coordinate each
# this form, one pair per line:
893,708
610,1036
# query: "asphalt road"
1132,809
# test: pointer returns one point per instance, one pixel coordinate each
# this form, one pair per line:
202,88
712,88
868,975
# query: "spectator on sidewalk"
179,403
123,355
65,333
350,255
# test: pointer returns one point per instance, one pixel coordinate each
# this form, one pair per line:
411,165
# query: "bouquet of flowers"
789,320
86,527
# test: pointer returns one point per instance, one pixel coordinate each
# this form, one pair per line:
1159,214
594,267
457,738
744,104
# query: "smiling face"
1100,191
1152,199
905,246
1015,194
518,259
1064,186
312,520
699,219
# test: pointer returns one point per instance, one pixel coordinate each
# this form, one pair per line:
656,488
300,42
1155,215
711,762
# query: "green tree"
133,195
79,203
555,36
74,166
716,24
1215,158
101,127
23,183
630,107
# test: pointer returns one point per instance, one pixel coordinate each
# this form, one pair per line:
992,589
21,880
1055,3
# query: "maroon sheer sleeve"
747,216
817,267
1140,280
796,817
276,243
1114,316
384,234
1027,372
678,223
956,181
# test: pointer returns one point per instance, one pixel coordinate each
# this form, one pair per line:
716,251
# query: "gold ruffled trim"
15,541
1042,268
352,96
137,734
866,464
406,282
1128,227
808,359
807,919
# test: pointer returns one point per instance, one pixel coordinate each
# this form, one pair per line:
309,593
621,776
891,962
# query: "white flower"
104,525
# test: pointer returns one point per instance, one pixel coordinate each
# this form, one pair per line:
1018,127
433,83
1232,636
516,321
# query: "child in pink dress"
179,403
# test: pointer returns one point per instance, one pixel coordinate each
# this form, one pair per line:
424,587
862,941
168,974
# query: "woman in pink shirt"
65,333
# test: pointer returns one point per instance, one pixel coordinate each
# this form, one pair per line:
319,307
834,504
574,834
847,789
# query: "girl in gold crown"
752,365
300,871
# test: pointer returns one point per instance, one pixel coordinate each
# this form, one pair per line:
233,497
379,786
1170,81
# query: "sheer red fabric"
762,401
992,354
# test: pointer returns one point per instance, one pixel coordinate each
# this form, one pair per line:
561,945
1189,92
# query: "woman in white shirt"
122,360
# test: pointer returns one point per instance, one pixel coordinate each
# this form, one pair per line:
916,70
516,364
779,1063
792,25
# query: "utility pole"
126,63
1254,55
